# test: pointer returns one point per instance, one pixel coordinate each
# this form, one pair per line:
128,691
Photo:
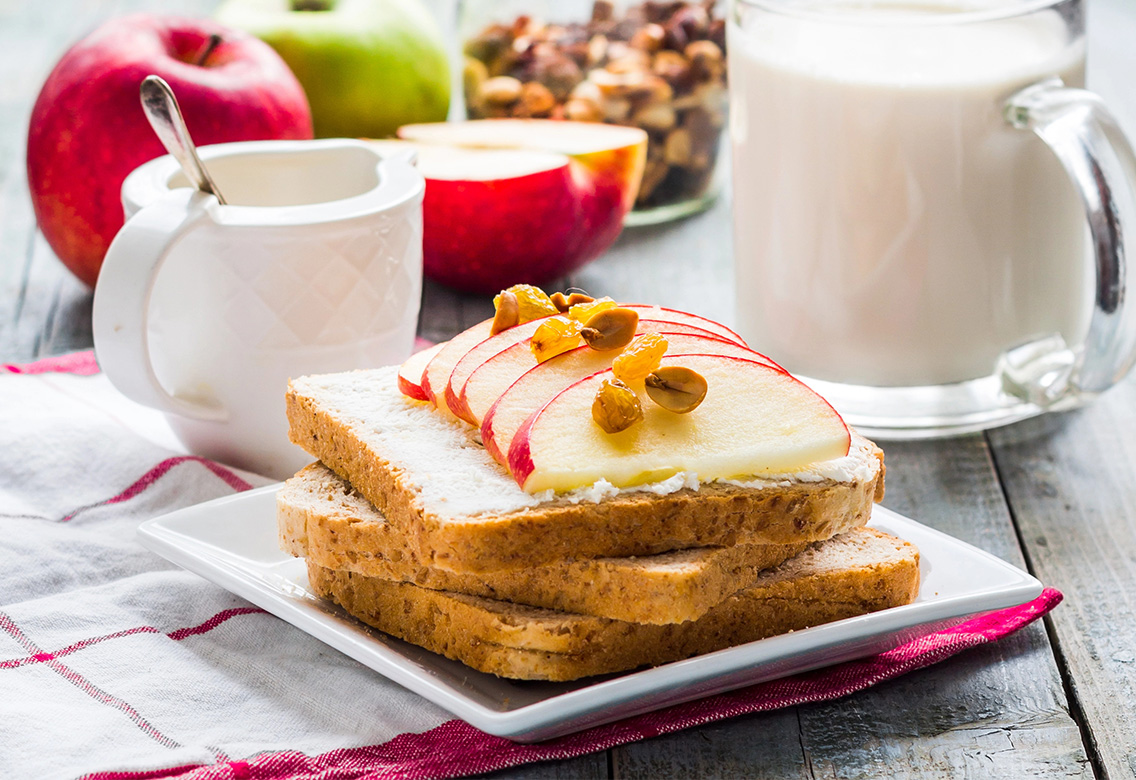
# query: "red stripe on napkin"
82,363
455,748
82,683
210,624
176,635
226,475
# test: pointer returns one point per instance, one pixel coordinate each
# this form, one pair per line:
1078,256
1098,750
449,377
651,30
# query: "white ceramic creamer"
892,228
204,311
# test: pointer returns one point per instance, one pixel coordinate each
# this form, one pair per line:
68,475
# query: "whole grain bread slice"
462,511
324,519
852,574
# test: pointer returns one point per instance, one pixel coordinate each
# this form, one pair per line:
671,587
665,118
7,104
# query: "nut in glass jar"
660,66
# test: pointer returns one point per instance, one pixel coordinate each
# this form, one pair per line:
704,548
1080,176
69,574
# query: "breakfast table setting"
152,624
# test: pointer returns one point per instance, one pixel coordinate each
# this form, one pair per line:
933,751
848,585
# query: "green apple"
368,66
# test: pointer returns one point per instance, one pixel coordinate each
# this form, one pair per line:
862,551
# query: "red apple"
755,420
490,223
88,130
509,408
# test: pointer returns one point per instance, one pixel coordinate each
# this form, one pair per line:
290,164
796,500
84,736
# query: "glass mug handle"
1095,153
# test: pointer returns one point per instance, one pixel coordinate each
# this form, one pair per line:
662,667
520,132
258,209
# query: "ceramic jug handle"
1095,153
122,298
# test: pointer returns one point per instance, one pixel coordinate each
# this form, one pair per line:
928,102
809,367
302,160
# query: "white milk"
890,228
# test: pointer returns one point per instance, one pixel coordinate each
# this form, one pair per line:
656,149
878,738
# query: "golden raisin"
676,388
508,313
559,301
616,407
641,357
582,310
579,297
532,302
610,329
554,336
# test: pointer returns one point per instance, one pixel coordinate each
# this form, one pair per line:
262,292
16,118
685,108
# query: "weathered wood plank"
593,767
1071,482
997,711
54,313
684,265
441,314
756,746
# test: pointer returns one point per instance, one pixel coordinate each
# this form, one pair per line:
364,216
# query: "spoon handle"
165,117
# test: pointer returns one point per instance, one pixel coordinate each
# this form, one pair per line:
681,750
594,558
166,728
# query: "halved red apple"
411,371
522,200
529,391
755,420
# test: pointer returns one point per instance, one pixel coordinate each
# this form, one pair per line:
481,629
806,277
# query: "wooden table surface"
1055,495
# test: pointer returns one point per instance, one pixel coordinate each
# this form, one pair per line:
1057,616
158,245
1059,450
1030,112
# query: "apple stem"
210,45
311,5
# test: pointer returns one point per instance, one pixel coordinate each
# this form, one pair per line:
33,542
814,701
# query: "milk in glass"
890,228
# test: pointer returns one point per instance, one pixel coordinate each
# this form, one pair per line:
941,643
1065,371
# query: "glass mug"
929,212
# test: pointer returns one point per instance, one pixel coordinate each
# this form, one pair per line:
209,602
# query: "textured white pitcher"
204,310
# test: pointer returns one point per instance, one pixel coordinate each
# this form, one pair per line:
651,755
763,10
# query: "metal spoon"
165,117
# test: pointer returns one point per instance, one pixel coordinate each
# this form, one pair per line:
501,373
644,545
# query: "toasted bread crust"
861,572
321,518
623,525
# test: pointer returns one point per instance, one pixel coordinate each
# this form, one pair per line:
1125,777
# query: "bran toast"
460,510
324,519
851,574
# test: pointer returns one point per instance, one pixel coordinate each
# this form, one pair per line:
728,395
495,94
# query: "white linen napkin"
113,660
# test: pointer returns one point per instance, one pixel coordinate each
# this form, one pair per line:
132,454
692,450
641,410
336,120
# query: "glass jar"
660,66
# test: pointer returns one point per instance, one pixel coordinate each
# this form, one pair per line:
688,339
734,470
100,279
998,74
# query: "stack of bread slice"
409,525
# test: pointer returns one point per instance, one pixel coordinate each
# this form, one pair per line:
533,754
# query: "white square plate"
232,542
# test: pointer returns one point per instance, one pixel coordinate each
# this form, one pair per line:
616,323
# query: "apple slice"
651,318
648,312
410,372
522,200
494,374
518,334
754,421
438,369
531,390
490,379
